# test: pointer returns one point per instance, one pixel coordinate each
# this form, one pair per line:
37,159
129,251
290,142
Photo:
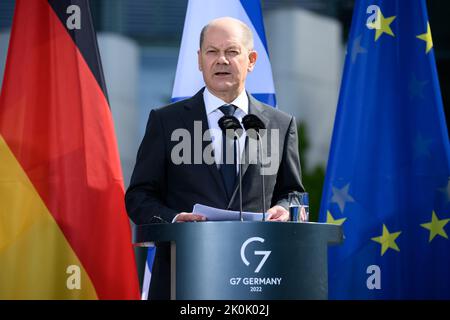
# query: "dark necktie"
228,170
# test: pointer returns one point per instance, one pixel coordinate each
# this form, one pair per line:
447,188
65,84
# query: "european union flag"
388,173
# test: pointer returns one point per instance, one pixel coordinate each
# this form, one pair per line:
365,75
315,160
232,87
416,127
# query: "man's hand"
278,213
189,217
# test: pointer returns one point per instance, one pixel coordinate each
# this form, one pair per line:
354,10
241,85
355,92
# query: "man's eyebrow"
230,47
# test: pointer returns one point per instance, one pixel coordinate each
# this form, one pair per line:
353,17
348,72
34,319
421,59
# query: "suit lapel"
194,110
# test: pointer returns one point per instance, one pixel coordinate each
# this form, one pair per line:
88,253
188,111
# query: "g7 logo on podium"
265,254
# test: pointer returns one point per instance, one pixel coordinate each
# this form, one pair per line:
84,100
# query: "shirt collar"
212,103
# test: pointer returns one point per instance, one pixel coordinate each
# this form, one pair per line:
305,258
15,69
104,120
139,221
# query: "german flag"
64,232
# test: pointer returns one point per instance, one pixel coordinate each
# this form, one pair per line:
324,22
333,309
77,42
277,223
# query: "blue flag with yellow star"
387,181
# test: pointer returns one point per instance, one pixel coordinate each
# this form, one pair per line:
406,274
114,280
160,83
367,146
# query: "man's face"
225,60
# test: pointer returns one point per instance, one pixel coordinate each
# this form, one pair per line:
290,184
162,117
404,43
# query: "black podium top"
156,232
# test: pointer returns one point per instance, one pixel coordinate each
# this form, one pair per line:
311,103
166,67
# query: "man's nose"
222,59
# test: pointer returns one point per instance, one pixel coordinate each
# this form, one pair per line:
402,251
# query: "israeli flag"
148,272
188,78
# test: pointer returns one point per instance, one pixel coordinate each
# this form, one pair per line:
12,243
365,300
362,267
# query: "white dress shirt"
212,105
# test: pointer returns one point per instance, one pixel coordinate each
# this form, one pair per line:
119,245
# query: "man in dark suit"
172,171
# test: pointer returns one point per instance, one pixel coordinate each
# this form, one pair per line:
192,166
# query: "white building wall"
306,55
120,60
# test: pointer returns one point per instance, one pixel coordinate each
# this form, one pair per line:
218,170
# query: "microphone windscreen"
229,124
253,125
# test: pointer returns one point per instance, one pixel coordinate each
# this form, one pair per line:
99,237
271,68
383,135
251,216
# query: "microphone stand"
262,176
236,138
251,121
227,123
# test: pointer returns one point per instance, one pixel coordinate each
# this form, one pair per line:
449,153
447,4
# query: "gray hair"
247,35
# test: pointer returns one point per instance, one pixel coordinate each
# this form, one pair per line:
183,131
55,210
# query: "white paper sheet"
214,214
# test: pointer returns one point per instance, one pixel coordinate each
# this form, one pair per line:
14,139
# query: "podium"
232,260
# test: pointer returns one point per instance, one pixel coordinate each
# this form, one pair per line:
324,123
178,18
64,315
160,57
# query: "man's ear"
252,56
199,53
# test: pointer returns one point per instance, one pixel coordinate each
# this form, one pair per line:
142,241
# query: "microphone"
253,125
250,121
230,124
